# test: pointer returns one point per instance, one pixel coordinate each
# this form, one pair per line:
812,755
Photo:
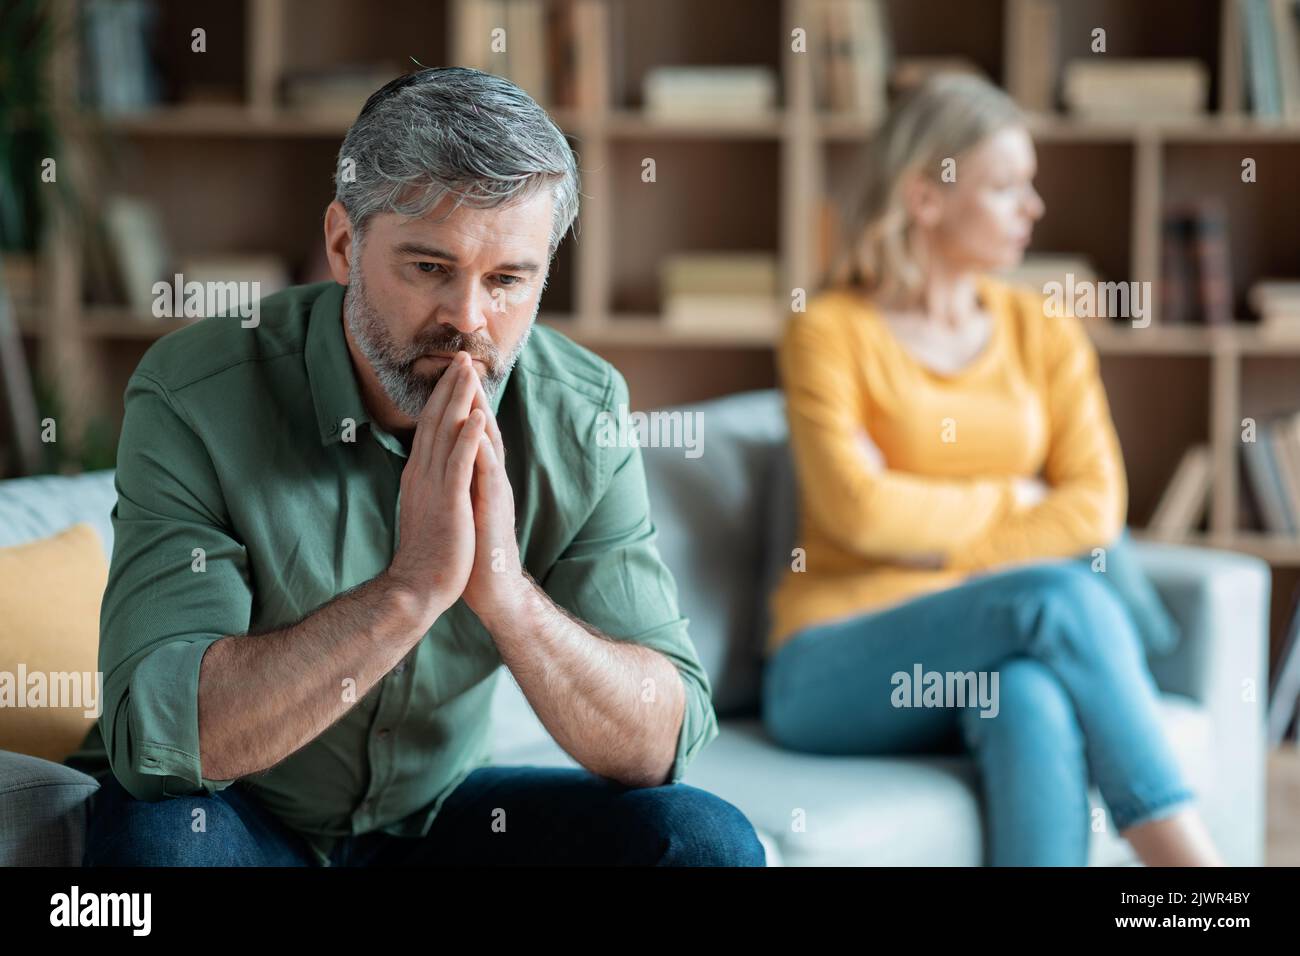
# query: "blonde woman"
925,399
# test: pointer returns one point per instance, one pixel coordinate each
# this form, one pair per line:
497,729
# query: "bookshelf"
232,167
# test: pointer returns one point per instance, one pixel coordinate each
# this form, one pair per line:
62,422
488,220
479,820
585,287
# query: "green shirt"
236,441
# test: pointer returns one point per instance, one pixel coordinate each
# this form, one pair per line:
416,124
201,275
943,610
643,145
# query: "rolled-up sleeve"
612,577
178,582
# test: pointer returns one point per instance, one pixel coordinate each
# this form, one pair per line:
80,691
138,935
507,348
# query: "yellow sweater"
1030,404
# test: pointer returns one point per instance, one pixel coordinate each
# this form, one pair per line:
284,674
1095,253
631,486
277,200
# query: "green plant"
97,448
29,131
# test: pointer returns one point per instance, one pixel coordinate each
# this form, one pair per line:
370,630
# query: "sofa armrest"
42,811
1221,603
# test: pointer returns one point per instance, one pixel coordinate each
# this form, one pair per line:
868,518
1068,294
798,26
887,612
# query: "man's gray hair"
456,131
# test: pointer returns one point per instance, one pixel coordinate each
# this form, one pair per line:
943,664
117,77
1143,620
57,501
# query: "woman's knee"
1066,602
1029,703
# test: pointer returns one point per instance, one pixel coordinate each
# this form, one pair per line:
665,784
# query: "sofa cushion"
709,512
42,812
39,506
50,592
891,811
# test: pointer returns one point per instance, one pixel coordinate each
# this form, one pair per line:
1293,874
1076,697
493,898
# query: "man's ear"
338,241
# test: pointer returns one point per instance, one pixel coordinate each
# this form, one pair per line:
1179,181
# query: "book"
1177,273
1277,304
1196,265
1288,57
118,75
732,315
1033,29
1286,452
1263,80
1212,261
1107,88
562,52
734,292
709,92
596,62
1183,504
849,43
1284,685
1265,483
526,47
719,273
135,233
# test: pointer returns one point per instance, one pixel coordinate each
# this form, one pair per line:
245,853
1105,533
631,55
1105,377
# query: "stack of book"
721,292
1269,54
709,92
1277,303
848,41
1273,468
537,47
1195,265
118,74
1105,88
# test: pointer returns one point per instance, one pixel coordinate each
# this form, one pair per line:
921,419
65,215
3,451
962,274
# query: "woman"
925,398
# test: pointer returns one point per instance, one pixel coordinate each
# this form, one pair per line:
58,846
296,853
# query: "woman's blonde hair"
941,119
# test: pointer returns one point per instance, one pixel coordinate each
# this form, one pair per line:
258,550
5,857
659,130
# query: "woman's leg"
829,690
1033,770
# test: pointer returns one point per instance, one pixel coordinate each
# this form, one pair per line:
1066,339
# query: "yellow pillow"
50,592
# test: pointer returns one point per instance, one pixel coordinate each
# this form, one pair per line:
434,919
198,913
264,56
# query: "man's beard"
394,364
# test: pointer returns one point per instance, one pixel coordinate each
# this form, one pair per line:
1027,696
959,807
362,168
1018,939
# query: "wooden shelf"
254,175
246,121
1062,127
633,124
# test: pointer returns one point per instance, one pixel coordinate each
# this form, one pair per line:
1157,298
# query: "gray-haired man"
333,528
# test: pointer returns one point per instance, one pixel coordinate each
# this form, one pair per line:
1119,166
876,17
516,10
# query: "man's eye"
514,280
428,266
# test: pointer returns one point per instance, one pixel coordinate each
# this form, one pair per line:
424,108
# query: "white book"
1183,503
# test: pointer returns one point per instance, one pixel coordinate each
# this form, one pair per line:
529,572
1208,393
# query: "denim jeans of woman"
1075,703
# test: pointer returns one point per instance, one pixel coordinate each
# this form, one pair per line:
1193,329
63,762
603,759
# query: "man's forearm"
263,696
616,707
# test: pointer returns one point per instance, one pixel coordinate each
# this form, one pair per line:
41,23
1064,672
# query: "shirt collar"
334,387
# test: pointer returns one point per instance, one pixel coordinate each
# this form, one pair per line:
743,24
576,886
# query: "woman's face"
984,220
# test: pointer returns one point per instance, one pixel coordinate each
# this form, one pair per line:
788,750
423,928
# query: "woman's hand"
1029,492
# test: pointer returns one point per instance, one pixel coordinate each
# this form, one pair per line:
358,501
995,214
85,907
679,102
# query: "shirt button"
399,668
384,733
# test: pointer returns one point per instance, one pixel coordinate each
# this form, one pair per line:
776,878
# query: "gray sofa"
726,525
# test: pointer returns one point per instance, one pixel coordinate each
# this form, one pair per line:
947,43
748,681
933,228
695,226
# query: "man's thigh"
570,816
227,828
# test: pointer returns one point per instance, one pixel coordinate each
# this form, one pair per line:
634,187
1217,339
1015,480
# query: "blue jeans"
1075,702
552,816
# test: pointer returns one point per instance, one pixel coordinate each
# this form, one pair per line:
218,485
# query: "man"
333,527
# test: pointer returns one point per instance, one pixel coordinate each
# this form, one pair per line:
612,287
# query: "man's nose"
467,307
